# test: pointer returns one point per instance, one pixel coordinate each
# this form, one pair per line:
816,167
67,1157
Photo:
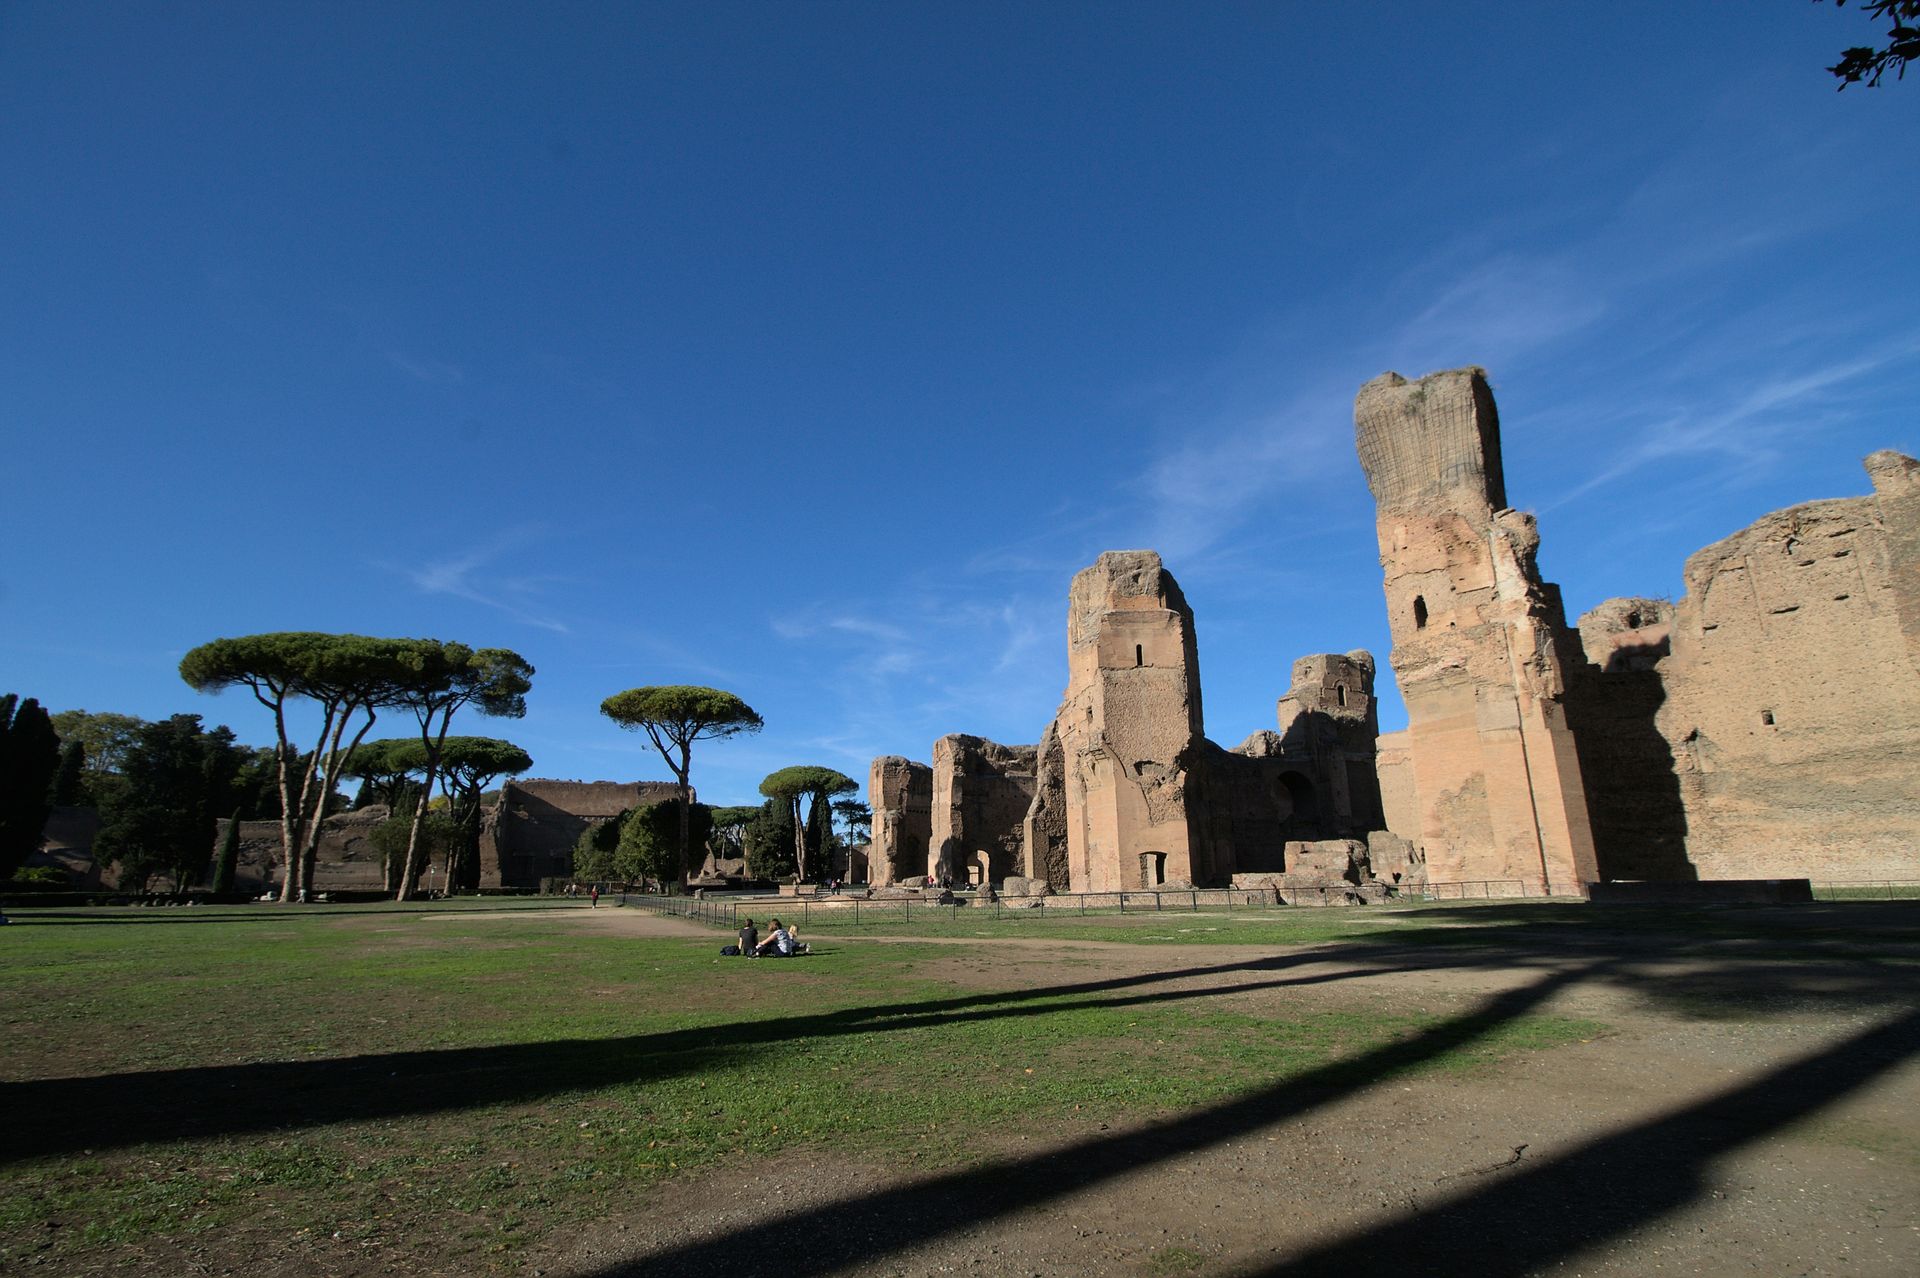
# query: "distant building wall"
537,824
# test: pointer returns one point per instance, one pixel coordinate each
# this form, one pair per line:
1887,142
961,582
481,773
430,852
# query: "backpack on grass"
729,951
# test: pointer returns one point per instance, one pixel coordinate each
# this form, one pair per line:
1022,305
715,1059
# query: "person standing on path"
595,894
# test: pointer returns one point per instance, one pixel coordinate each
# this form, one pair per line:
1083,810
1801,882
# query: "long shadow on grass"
897,1219
53,1116
60,1115
1513,1227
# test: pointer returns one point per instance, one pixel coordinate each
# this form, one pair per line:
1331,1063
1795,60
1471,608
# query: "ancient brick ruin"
1766,725
1122,752
1124,792
530,834
981,790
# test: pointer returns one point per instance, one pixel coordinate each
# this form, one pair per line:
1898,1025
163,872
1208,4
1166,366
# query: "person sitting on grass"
779,943
749,938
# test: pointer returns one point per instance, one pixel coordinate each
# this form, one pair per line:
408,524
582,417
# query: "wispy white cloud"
1225,469
1499,307
470,577
1746,432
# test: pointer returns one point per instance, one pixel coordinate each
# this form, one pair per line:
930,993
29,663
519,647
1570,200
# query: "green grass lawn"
402,1082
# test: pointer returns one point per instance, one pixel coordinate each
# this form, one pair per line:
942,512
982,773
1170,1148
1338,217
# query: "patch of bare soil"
628,922
1740,1115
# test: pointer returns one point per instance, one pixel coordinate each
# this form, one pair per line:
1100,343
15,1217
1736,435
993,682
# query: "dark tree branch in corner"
1863,64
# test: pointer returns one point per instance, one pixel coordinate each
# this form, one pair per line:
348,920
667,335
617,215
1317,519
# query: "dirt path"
1739,1114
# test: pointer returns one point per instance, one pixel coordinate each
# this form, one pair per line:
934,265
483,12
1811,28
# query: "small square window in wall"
1766,718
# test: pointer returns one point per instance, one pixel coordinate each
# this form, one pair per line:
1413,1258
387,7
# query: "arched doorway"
1298,805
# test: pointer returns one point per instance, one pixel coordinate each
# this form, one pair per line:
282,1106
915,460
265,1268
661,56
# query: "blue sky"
807,350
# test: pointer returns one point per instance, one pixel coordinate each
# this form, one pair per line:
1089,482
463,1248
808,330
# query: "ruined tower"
1116,788
1328,718
901,792
1479,641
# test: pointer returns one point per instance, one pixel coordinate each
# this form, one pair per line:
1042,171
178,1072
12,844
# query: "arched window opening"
1139,656
1633,621
1419,612
1340,693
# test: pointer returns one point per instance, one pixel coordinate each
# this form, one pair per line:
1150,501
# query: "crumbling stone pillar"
1128,733
1478,639
901,792
981,793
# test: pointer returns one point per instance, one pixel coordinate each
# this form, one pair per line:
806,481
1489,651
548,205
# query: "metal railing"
1866,890
859,910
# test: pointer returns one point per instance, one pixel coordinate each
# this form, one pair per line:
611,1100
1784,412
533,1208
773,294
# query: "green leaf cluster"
641,843
674,716
440,836
179,778
103,739
593,854
729,829
681,713
649,846
813,838
351,678
767,840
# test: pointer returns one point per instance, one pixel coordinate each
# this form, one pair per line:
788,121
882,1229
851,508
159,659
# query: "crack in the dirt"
1488,1170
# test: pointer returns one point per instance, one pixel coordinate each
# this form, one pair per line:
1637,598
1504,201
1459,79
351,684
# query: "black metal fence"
850,910
1867,890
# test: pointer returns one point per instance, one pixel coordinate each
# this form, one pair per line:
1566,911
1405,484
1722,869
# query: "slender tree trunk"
799,843
410,864
465,803
296,850
433,745
283,767
686,806
318,821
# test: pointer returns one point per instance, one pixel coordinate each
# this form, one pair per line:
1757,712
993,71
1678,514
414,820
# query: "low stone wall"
1196,898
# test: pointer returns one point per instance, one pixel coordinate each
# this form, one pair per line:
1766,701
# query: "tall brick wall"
1779,733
